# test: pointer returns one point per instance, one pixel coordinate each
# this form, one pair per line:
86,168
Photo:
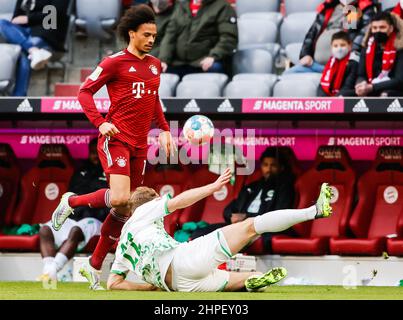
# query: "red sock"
97,199
110,233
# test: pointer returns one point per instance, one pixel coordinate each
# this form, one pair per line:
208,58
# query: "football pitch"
80,291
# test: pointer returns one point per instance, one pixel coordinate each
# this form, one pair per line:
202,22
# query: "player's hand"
238,217
108,129
207,63
164,66
20,20
306,61
222,180
167,143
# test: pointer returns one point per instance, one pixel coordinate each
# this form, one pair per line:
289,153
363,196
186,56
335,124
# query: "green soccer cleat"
92,275
323,206
62,212
259,283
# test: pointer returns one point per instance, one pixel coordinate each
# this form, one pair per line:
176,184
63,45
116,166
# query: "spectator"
163,10
274,191
331,18
200,37
340,74
380,72
83,224
37,41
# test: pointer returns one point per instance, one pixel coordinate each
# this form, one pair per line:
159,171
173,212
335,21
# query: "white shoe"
62,212
39,58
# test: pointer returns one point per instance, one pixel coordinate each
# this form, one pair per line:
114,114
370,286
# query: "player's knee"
76,235
249,226
45,233
120,200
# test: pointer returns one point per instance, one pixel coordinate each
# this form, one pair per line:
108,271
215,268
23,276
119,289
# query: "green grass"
80,291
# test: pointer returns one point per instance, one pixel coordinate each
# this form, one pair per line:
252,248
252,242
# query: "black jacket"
277,193
356,35
162,21
88,179
34,10
348,86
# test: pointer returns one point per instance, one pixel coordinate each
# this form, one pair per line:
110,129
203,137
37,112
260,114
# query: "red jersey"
132,85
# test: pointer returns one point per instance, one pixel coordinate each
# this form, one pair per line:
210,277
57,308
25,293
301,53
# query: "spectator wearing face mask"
380,72
340,74
163,11
334,16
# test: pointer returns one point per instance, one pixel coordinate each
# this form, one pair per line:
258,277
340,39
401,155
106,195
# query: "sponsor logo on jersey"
192,106
154,69
121,161
138,89
361,106
226,106
96,73
395,106
25,106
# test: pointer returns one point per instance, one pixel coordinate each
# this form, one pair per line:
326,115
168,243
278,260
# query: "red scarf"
388,59
333,75
398,10
195,6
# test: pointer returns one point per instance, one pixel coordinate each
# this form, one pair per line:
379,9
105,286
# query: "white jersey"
145,248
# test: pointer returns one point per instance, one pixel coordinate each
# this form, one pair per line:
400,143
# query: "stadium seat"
295,6
256,31
211,209
9,54
395,245
170,179
379,208
295,27
269,78
7,9
333,165
219,78
10,174
314,77
247,89
292,52
98,17
388,4
300,88
245,6
192,89
41,190
168,84
252,61
66,89
275,17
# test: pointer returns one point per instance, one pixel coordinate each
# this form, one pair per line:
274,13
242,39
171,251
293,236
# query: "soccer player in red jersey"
132,78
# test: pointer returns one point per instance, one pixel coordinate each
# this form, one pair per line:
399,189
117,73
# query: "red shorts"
118,157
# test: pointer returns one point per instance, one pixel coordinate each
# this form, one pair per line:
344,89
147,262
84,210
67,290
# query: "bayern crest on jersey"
154,69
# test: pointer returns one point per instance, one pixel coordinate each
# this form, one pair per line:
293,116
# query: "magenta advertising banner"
70,105
305,105
361,144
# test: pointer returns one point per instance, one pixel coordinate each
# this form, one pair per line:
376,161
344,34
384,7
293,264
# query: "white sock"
49,267
280,220
60,261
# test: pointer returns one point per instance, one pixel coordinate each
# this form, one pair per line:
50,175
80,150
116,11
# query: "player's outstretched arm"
189,197
118,282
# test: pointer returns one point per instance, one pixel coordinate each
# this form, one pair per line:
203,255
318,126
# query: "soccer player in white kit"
146,249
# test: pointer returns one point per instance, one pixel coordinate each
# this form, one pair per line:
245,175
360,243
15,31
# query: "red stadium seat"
333,165
395,245
66,89
10,174
168,179
378,209
41,190
211,209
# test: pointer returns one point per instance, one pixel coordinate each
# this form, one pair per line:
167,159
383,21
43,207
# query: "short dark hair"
384,16
93,142
134,17
341,35
273,152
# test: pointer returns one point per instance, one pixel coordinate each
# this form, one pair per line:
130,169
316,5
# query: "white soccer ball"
198,130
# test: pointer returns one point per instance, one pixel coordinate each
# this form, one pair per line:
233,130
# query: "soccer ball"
198,130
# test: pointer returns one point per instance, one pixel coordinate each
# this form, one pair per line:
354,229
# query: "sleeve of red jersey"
98,78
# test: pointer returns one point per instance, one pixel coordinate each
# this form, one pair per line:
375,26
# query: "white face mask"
340,52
